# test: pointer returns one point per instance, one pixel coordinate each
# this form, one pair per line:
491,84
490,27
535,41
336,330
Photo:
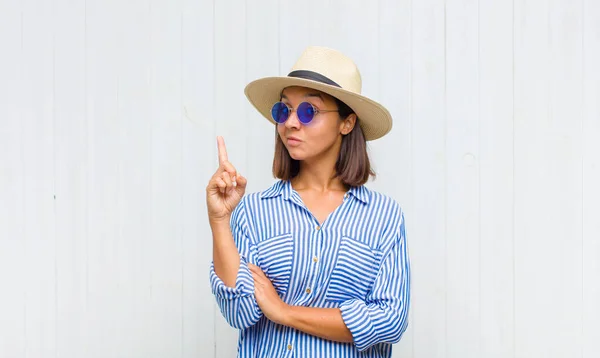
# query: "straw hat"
329,71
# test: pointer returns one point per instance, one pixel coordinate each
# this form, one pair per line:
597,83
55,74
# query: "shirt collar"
361,193
284,188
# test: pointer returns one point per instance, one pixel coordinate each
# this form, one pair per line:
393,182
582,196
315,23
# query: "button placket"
314,260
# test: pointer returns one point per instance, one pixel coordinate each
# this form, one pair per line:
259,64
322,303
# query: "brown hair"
352,166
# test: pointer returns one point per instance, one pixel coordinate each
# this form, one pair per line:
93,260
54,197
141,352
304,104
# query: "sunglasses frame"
291,110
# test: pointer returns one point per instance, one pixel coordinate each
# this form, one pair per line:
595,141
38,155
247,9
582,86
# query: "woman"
317,264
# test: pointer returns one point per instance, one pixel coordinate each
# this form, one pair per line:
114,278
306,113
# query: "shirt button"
315,259
289,347
346,196
308,290
318,228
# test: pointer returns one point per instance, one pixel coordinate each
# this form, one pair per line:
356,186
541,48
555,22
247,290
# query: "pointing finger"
222,150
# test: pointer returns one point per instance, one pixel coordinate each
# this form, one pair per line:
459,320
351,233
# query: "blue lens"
306,112
280,112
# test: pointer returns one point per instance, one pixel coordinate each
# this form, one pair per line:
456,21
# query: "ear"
348,124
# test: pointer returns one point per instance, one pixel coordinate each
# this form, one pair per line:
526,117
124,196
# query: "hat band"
313,76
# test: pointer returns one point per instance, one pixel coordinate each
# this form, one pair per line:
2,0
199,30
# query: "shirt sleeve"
383,316
238,304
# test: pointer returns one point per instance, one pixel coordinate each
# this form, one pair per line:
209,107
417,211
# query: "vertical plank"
165,246
12,181
135,312
496,179
531,53
591,178
104,209
566,156
291,41
71,170
429,178
39,179
198,158
462,175
230,58
394,177
548,176
263,46
323,26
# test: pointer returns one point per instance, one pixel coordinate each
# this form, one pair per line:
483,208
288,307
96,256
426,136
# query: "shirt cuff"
356,317
244,283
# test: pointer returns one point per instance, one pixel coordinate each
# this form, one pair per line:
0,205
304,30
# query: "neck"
318,175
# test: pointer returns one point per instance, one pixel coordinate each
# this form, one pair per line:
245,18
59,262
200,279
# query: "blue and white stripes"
357,261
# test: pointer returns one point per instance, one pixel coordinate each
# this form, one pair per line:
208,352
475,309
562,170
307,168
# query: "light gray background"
108,115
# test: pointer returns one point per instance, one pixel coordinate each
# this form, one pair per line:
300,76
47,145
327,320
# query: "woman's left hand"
267,298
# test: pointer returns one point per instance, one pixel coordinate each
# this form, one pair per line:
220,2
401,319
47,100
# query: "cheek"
281,132
323,132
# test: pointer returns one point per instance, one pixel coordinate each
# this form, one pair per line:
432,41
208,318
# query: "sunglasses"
306,112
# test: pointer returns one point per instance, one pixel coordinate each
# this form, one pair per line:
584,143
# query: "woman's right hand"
225,189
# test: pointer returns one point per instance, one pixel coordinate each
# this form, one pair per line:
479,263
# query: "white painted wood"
496,163
39,181
136,160
108,116
104,299
12,194
428,234
548,176
591,176
166,238
566,153
462,179
71,173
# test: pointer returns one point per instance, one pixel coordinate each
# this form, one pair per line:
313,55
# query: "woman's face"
323,135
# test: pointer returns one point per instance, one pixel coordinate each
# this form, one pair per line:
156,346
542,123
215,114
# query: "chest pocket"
354,272
275,256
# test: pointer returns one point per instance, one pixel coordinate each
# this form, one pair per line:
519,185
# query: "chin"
296,154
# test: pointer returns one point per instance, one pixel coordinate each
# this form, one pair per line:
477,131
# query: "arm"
381,318
325,323
230,278
226,258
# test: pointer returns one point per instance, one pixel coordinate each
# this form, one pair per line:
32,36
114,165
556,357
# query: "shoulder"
254,199
382,203
274,190
391,212
256,206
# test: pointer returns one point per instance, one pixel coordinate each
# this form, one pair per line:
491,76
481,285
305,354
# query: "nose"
292,122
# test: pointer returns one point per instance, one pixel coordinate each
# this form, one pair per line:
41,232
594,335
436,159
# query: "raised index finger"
222,150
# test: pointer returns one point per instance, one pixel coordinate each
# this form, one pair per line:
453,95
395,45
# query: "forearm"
226,257
325,323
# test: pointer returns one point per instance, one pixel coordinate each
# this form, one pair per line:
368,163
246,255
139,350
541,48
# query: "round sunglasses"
306,112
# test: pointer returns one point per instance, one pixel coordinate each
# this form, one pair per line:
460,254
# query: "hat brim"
375,119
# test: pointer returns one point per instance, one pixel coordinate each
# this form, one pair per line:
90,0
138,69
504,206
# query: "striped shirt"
357,261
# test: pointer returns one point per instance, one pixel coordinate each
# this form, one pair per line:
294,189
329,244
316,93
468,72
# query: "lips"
293,141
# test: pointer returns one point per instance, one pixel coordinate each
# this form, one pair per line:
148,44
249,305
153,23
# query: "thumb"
241,182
